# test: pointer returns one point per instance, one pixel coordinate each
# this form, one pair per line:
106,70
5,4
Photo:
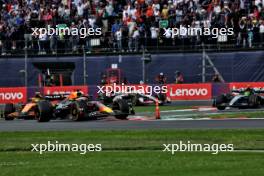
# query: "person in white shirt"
42,43
118,36
261,33
80,9
154,36
135,38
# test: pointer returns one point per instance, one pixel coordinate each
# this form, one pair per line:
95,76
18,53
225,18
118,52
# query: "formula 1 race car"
135,99
240,98
82,108
143,99
28,110
74,106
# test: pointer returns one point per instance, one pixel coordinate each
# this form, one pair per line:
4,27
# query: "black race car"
79,107
240,98
135,99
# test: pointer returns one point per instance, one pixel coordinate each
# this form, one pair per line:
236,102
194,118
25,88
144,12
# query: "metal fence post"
25,63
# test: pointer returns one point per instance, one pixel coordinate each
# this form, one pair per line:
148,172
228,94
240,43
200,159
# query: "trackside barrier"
174,91
189,91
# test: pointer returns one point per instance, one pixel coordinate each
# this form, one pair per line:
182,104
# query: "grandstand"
128,25
128,30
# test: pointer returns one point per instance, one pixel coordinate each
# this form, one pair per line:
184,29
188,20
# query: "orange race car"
30,109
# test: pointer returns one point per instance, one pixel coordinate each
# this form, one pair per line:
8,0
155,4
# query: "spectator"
216,78
118,39
135,38
161,78
178,77
17,17
261,31
154,36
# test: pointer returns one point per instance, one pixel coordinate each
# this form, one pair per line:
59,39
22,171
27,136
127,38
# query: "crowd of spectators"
127,25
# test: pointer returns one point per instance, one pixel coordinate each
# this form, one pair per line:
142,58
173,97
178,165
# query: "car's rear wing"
257,91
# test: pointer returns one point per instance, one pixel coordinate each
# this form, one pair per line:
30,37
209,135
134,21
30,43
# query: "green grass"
131,164
132,153
134,140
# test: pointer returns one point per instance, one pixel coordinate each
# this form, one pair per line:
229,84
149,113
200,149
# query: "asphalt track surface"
137,122
60,125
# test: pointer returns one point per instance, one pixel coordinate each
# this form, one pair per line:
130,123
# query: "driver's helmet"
79,93
38,95
248,88
248,91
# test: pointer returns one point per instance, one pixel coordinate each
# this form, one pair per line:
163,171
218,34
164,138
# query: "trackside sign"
64,90
13,95
256,85
189,91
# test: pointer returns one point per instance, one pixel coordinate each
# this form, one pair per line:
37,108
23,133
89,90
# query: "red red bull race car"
75,106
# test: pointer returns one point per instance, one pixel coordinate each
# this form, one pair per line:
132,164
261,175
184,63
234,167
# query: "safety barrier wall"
175,91
234,67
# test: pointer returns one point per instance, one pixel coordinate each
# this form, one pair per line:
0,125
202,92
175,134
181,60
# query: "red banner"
256,85
64,90
189,91
13,95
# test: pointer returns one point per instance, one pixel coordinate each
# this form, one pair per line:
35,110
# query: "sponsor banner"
31,91
219,89
64,90
189,91
13,95
256,85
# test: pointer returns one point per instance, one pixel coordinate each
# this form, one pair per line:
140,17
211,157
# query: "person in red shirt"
149,12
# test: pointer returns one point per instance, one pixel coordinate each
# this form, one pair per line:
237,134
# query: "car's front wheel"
43,111
78,110
218,101
122,107
8,109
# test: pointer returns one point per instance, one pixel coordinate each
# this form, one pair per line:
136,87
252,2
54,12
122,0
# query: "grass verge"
132,153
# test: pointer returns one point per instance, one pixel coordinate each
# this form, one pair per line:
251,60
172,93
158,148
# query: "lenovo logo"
189,92
11,96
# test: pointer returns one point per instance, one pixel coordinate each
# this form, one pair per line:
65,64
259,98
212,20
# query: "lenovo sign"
189,91
64,90
256,85
13,95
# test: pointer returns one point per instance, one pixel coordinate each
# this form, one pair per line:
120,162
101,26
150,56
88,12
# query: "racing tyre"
8,109
43,111
123,107
254,101
78,110
218,101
